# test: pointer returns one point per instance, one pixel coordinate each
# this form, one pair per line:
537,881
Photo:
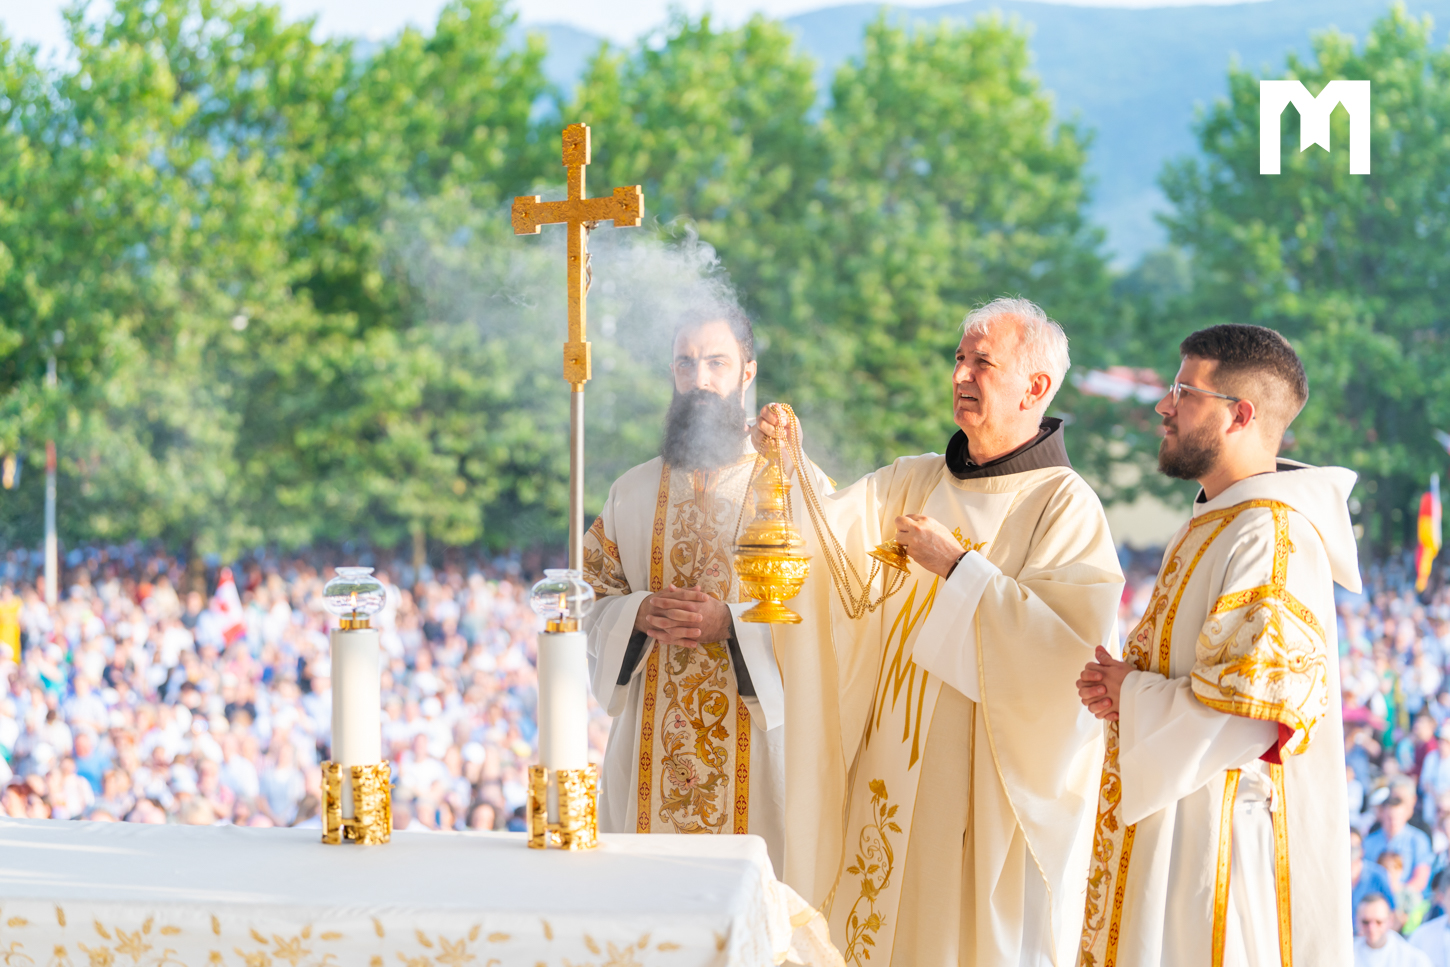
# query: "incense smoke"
497,302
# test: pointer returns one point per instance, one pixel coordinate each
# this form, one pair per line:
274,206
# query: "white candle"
357,721
563,706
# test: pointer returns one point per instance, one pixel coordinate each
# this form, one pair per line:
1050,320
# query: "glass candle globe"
561,598
354,595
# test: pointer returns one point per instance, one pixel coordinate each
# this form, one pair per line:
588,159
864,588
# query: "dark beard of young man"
1194,455
704,430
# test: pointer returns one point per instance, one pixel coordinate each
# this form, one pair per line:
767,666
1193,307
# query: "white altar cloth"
114,894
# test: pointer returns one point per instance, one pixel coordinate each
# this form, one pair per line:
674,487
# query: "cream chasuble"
687,752
943,773
1206,854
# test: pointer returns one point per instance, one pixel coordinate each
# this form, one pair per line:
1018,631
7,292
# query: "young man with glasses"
1220,834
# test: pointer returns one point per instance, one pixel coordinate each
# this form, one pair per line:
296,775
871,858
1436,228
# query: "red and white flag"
226,604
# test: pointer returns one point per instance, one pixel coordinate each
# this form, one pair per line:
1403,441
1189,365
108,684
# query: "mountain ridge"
1135,77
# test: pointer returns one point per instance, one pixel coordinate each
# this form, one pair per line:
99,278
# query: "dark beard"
1193,457
703,430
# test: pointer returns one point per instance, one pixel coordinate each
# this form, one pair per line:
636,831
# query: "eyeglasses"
1176,391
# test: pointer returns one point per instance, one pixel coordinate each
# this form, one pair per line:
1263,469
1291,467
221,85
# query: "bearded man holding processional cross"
943,775
1221,837
698,706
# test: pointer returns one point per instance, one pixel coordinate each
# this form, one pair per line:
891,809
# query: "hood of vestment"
1320,494
1042,451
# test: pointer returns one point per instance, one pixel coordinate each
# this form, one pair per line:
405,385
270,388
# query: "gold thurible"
768,558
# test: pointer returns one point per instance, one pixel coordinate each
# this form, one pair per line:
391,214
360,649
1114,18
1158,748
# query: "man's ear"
748,373
1244,412
1038,386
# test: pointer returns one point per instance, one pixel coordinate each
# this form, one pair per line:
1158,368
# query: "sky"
622,21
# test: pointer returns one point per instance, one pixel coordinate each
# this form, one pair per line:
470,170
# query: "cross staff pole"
579,214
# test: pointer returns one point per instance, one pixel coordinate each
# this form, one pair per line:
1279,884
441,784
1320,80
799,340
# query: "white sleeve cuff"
759,654
1170,744
946,645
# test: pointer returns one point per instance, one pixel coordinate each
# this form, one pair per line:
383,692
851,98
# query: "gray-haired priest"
696,744
947,721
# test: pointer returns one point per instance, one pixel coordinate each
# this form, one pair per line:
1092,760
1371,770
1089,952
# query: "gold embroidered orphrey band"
687,802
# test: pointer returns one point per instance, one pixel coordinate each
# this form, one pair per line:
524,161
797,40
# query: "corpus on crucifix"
563,787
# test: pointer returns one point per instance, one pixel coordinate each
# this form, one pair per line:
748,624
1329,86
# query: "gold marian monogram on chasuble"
1261,654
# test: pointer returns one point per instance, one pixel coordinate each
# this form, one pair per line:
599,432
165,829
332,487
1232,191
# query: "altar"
76,893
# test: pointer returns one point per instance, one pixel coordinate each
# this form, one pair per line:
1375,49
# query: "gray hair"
1044,344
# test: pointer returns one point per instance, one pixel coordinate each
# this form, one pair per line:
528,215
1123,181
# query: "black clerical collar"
1281,465
1043,450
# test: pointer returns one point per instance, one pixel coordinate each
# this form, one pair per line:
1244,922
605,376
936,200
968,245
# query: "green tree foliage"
1347,267
293,308
936,180
201,205
948,184
717,127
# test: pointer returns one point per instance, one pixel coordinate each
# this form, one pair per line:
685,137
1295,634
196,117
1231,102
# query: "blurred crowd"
140,698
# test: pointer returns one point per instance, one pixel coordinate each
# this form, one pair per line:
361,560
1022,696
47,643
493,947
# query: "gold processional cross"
580,213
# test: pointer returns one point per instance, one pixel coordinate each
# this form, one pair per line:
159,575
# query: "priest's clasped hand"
683,616
1101,684
929,543
773,426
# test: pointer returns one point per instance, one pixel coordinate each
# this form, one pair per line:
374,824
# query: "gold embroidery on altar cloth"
144,944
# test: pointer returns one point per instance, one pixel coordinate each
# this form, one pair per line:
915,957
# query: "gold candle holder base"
892,554
372,805
578,825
